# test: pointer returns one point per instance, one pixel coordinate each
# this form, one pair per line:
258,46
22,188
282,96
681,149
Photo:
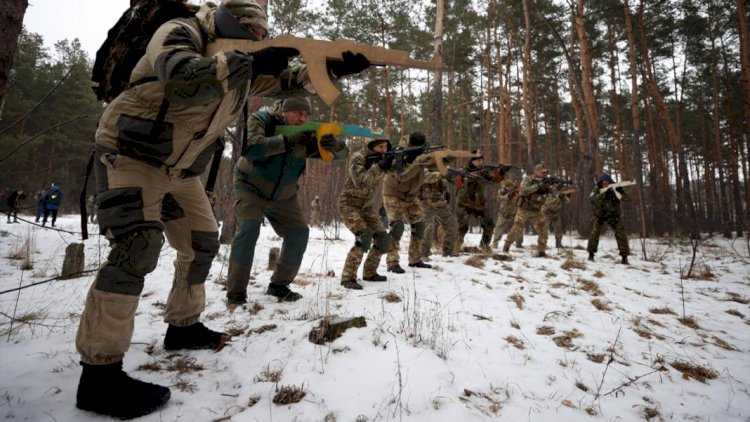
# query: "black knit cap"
417,139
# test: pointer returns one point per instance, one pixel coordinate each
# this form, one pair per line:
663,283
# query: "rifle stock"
315,53
614,187
328,128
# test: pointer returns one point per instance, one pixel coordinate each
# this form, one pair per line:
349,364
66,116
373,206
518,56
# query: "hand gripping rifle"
402,156
614,187
331,128
315,53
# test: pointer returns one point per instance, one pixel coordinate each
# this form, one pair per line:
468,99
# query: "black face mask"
227,26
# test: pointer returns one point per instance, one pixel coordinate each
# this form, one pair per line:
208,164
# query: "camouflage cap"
540,167
248,12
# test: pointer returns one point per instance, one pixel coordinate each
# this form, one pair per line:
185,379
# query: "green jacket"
606,204
406,185
471,195
266,168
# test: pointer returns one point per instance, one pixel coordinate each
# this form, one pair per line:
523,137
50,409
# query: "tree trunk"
528,96
437,105
11,22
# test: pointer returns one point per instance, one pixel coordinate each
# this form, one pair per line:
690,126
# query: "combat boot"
396,269
351,284
541,254
107,390
195,337
625,259
375,277
282,292
558,243
420,264
591,256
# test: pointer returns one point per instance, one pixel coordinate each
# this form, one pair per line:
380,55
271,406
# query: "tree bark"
437,105
528,96
11,22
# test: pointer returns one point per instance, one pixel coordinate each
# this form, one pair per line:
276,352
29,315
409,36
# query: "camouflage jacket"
204,96
554,201
606,204
434,191
361,182
407,184
266,168
532,194
506,202
471,195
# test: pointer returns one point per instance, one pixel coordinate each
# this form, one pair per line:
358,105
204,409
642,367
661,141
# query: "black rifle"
402,156
470,174
552,180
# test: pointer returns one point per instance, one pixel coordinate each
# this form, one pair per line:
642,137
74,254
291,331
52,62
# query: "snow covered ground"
540,339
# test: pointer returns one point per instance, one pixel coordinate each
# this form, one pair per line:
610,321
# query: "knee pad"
205,247
364,239
382,241
397,229
417,229
132,257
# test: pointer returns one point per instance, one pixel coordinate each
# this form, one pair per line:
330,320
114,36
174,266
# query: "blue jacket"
53,198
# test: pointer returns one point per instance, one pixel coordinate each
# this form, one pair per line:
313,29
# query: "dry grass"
689,321
723,344
151,367
545,330
558,285
734,297
482,317
662,310
590,286
601,305
703,272
476,261
642,332
565,340
595,357
650,413
516,342
735,313
598,274
581,386
262,329
255,308
288,395
269,375
183,364
391,297
701,373
518,300
570,264
253,400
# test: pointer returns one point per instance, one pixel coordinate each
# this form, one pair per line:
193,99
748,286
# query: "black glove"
272,60
331,143
386,163
300,138
350,63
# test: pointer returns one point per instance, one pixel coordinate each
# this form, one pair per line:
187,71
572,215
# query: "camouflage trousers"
516,232
358,218
554,221
464,215
614,221
402,212
439,216
503,225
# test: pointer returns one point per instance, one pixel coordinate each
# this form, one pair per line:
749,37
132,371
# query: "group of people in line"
156,138
47,201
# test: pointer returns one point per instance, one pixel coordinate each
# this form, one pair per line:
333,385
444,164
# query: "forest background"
656,91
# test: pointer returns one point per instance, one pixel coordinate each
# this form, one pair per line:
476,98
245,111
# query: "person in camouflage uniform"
355,205
152,143
437,211
551,210
471,201
266,185
506,211
315,212
607,210
401,202
532,195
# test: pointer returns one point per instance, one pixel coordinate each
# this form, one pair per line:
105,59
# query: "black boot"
558,243
282,292
375,277
195,337
591,256
396,269
351,284
107,390
625,259
420,264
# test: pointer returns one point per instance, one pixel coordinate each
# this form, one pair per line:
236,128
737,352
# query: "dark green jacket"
606,204
266,168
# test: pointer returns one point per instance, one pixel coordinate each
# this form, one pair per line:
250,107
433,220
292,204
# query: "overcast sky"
87,20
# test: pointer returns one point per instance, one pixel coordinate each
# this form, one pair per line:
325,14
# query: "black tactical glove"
386,163
350,63
300,138
331,143
272,60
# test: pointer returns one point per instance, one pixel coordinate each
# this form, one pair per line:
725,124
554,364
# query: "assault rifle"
470,174
552,180
402,156
315,53
328,128
614,187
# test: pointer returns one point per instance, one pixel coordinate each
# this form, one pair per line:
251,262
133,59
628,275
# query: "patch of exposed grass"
516,342
482,317
558,285
565,340
581,386
253,400
735,313
722,343
595,357
151,367
642,332
288,395
183,364
590,286
598,274
269,375
654,322
262,329
650,413
255,308
601,305
701,373
391,297
545,330
734,297
662,310
476,261
570,264
689,321
518,300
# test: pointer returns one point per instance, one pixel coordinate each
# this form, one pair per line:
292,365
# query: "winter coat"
14,198
471,194
266,168
434,191
606,204
53,198
406,185
532,194
362,182
205,96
